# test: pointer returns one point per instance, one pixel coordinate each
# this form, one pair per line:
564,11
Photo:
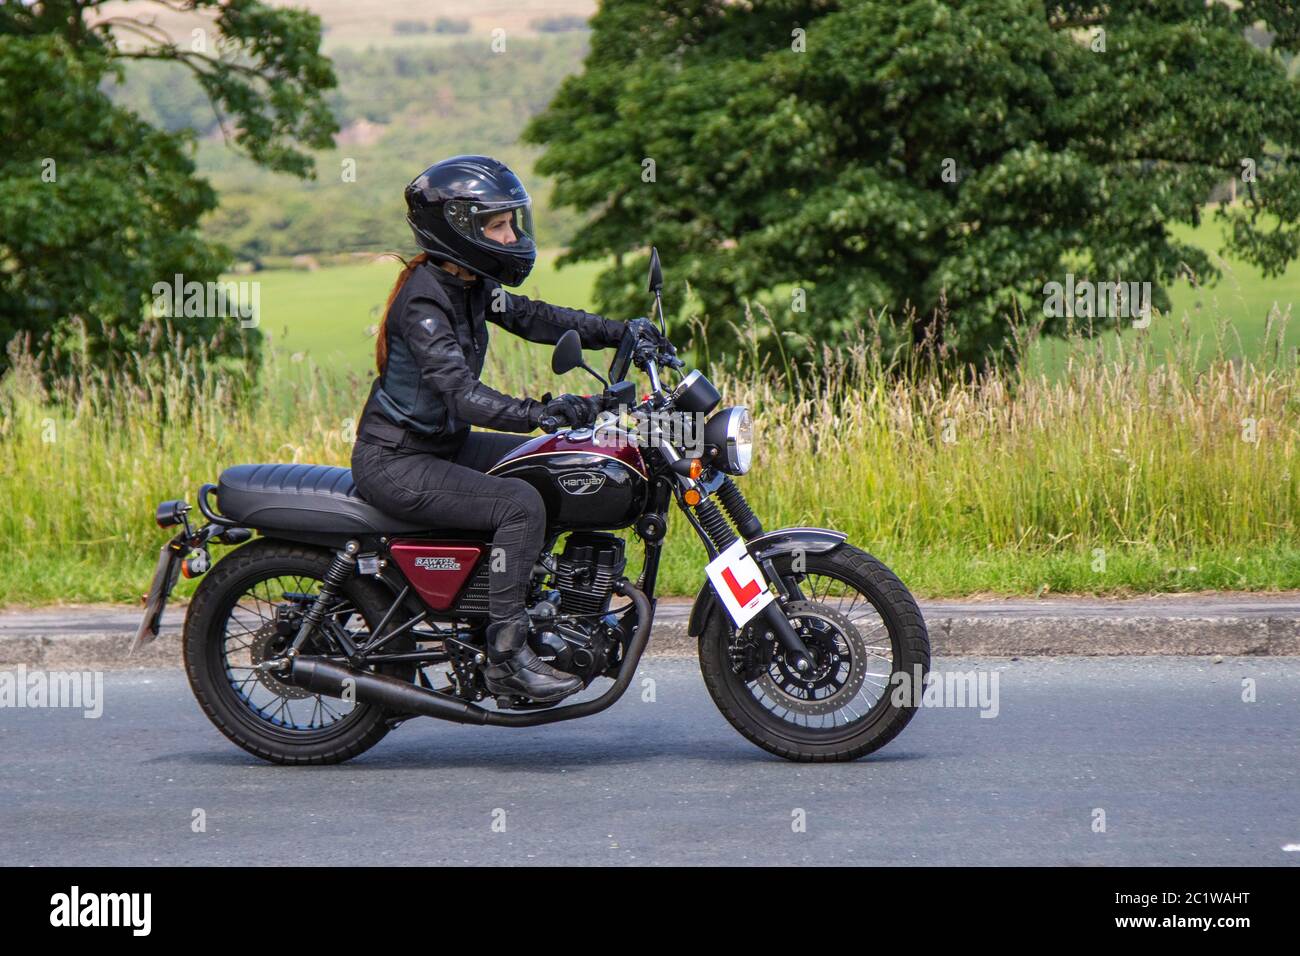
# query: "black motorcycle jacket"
429,393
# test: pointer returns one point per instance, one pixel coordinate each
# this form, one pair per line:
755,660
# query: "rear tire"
909,645
206,663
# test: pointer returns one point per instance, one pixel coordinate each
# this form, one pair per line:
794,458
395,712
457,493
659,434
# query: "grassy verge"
1128,472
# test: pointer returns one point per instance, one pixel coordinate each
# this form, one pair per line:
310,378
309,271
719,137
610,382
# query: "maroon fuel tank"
594,482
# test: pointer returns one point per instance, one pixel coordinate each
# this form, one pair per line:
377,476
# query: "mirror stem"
659,306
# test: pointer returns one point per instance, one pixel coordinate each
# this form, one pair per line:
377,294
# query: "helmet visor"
496,224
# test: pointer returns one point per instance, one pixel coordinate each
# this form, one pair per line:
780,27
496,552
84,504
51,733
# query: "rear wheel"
862,627
247,610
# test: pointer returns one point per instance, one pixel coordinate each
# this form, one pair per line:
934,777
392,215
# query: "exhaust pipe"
636,647
339,680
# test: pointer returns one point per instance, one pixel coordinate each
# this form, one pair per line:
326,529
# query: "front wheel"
862,627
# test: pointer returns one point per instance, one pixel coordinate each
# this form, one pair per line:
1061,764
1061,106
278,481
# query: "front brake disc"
840,668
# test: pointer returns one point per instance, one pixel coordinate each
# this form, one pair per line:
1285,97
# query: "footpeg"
522,703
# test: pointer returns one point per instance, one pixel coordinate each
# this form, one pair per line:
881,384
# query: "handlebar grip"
549,424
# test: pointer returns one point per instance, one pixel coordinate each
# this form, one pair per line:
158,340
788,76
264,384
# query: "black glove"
573,410
648,332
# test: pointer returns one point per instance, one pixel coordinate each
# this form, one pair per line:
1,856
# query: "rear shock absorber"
336,575
742,516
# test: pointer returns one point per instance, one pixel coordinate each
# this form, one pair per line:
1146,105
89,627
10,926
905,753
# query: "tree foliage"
96,205
951,157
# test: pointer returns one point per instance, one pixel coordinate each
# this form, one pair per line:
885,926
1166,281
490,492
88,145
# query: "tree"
96,206
949,157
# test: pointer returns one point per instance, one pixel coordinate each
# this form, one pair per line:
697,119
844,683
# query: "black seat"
313,498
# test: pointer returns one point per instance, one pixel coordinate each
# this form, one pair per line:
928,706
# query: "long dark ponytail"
381,339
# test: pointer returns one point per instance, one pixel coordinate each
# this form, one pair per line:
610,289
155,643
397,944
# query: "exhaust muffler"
338,680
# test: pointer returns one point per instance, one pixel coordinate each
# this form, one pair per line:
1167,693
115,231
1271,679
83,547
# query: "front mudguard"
765,547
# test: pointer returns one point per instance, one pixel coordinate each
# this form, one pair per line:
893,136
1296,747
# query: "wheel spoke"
852,665
258,626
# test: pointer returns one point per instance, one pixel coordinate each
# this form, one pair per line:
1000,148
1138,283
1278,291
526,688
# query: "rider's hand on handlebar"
645,330
652,343
572,410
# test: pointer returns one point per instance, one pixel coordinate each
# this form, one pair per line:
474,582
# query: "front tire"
224,617
799,719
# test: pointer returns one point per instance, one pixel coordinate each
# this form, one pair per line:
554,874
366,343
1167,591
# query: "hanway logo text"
103,909
583,482
437,564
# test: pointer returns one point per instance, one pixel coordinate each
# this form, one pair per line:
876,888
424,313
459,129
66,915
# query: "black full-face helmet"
456,206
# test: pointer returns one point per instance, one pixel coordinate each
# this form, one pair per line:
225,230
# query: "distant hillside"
363,23
401,103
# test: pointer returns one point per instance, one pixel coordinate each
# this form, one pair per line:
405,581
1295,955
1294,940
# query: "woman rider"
415,455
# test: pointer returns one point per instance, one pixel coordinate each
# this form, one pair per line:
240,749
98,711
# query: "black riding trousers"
455,493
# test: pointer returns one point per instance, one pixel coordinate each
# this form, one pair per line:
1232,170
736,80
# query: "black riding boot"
516,671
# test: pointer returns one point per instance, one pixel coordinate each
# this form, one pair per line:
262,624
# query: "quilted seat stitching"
328,481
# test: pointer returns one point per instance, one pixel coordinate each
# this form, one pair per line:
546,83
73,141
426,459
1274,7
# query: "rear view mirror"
656,274
568,353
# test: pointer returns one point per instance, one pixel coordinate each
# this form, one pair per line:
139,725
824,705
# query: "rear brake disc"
268,644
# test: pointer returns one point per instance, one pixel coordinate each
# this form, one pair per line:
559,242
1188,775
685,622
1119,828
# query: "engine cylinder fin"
587,570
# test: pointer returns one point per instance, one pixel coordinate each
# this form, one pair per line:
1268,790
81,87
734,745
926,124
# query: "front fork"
717,535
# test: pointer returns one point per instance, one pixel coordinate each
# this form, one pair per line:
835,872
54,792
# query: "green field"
329,315
1232,316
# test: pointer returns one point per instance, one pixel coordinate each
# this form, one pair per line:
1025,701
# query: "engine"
584,577
585,573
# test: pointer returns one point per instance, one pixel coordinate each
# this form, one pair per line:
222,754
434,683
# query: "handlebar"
644,346
553,423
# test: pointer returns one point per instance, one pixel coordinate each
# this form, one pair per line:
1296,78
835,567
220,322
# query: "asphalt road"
76,619
1185,771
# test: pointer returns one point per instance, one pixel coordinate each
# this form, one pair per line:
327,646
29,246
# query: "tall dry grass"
1125,472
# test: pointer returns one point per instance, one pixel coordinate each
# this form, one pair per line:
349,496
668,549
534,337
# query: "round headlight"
743,444
731,433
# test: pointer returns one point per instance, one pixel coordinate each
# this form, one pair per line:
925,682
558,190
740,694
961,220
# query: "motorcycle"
310,641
